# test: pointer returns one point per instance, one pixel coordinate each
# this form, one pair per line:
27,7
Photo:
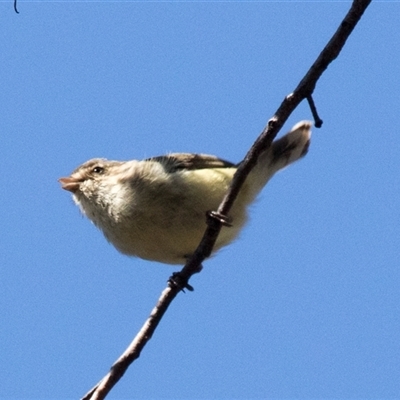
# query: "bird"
155,208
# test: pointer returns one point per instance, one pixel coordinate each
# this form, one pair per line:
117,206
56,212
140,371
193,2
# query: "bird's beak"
70,184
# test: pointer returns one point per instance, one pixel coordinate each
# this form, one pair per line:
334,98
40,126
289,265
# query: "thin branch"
304,89
217,219
317,120
133,351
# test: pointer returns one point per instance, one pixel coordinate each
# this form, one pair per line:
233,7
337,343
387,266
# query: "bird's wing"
189,161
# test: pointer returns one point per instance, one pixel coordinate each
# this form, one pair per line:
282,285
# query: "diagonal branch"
304,90
217,219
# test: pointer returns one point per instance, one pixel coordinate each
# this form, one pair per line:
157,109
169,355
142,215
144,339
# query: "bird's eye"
98,170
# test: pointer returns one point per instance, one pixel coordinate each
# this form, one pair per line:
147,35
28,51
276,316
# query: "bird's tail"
284,151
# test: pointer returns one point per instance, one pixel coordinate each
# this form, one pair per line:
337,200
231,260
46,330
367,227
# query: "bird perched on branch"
156,208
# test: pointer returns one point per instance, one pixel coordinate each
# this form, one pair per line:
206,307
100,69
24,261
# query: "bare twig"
15,7
317,120
133,351
217,219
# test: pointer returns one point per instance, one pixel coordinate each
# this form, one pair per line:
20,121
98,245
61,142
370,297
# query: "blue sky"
305,304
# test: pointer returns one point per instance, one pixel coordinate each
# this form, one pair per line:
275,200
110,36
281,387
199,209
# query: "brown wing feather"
179,161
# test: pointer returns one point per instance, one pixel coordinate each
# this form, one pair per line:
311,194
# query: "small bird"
156,208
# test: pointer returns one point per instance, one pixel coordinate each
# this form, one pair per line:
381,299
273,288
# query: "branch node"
290,97
272,122
223,219
180,281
